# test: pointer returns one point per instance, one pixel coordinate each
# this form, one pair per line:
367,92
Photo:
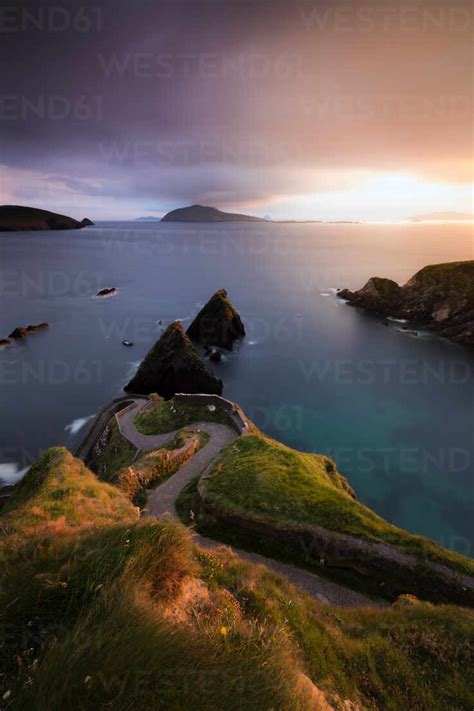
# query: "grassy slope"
163,416
454,277
131,615
57,496
261,477
117,454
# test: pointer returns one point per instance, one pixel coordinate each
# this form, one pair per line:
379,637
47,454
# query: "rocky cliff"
439,296
217,323
173,366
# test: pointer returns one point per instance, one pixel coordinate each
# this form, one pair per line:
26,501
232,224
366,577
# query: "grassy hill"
117,612
261,481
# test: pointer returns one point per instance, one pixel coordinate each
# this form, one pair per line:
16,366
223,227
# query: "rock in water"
217,323
439,296
107,291
172,366
22,331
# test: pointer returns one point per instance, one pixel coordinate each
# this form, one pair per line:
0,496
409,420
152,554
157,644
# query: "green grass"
411,655
162,416
117,454
259,477
126,613
56,496
454,277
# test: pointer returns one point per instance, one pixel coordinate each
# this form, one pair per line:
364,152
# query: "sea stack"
217,323
439,297
172,366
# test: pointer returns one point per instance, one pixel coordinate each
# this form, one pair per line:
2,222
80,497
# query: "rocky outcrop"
107,291
23,331
217,323
15,218
173,366
201,213
439,297
86,222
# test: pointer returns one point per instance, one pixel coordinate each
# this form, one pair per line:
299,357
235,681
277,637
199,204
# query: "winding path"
162,503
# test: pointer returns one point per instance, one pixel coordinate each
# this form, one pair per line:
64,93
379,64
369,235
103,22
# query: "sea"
393,408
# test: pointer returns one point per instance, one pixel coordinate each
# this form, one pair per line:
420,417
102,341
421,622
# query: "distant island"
16,218
147,218
200,213
450,215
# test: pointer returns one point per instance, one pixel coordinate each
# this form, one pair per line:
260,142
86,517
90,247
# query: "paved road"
162,503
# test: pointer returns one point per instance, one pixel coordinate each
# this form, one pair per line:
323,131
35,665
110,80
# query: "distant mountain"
444,216
15,218
147,219
200,213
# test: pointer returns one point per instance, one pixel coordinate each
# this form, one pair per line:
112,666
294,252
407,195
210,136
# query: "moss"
257,476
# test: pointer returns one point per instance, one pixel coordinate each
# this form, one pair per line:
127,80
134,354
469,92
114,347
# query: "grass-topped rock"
266,493
103,610
439,296
172,366
217,323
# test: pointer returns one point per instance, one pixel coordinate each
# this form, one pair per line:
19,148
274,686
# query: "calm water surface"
395,411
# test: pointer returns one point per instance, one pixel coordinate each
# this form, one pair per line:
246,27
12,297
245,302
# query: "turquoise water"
395,411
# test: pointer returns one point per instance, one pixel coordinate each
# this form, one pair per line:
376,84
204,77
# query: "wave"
10,473
76,425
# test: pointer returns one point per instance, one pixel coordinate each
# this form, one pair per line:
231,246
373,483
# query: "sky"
114,109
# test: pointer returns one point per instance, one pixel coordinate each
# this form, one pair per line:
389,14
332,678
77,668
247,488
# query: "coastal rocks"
23,331
107,291
86,222
217,323
15,218
4,342
439,296
172,366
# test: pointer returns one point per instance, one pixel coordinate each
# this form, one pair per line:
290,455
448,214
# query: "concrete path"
162,503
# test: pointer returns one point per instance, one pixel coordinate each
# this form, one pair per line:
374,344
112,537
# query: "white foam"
324,293
76,425
10,474
397,320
